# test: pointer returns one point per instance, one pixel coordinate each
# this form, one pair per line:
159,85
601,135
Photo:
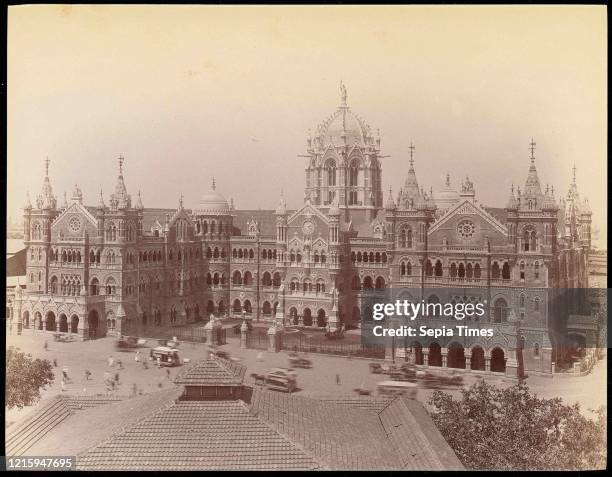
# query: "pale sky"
186,93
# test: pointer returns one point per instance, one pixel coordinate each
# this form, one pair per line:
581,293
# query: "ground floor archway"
93,320
477,361
74,324
435,355
498,360
456,356
307,317
26,319
63,323
321,318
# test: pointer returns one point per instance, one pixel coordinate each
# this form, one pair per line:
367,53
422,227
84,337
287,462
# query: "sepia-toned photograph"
316,237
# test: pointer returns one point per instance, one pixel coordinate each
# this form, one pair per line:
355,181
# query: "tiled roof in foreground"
199,435
212,372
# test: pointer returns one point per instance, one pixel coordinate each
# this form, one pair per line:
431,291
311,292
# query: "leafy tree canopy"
25,377
512,429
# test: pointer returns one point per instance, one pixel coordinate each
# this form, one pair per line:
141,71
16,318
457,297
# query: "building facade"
92,270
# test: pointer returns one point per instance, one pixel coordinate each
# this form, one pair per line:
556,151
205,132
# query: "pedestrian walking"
87,374
119,364
117,378
137,356
159,361
338,379
46,346
168,373
54,363
65,374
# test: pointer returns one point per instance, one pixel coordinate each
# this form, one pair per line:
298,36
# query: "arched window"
428,268
111,286
469,271
380,283
276,280
402,269
237,278
461,271
53,285
331,173
94,287
453,270
506,271
495,272
500,311
438,269
248,278
266,279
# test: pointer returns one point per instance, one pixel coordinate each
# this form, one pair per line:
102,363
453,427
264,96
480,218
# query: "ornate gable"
75,220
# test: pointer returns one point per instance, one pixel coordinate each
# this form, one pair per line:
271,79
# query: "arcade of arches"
455,356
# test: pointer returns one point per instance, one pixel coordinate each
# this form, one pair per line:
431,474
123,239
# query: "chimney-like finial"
532,146
47,166
412,148
574,174
180,200
447,179
121,159
214,186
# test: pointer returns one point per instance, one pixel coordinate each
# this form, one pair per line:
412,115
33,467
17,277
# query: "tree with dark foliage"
512,429
25,377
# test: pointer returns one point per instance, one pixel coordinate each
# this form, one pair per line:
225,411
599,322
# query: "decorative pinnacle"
342,94
447,179
412,148
214,186
180,200
121,159
47,166
574,174
532,146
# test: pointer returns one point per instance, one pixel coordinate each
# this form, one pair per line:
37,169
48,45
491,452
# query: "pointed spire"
412,148
448,180
139,205
180,201
101,201
532,146
214,185
390,202
120,198
28,204
65,202
282,205
46,198
574,175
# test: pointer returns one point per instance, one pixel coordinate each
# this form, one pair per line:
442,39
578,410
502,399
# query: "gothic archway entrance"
498,360
93,320
456,356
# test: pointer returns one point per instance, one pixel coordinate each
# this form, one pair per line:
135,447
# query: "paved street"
589,391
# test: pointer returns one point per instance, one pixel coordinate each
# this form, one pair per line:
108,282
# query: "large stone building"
94,269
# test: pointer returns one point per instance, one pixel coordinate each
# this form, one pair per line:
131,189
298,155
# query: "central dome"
213,203
344,127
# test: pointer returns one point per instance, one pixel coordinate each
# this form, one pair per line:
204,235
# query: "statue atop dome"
342,94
